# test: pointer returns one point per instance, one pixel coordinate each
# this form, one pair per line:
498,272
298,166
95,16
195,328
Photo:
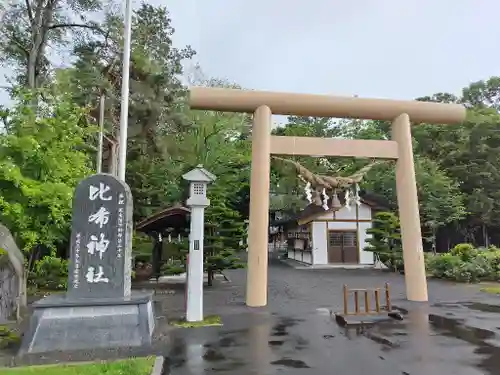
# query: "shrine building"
333,237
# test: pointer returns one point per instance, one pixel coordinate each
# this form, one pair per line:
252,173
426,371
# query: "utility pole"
101,133
127,35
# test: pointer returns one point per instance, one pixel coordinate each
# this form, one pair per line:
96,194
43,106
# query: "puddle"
448,304
227,342
275,343
294,363
483,307
402,310
281,328
354,331
381,339
212,355
225,368
301,343
477,336
400,333
279,332
323,311
456,329
223,342
478,306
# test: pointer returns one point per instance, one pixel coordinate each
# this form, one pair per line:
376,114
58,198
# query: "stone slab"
62,300
84,324
355,320
101,238
158,366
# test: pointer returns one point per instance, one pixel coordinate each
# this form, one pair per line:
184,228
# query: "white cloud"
383,48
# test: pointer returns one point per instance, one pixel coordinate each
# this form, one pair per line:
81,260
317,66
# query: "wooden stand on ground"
365,309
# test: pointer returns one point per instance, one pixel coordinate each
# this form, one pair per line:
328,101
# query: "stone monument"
99,310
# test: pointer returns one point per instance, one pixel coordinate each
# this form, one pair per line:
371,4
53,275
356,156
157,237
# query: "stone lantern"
198,179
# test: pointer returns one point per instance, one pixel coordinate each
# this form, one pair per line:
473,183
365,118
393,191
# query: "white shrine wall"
356,218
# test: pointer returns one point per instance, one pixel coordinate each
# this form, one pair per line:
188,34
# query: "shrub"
441,265
492,258
8,337
50,273
465,263
393,261
385,240
173,267
465,251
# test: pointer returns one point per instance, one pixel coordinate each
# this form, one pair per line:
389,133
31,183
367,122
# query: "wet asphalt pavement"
457,333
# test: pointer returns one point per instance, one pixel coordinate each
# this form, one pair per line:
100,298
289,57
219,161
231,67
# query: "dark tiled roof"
172,217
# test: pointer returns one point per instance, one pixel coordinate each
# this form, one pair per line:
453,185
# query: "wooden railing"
367,294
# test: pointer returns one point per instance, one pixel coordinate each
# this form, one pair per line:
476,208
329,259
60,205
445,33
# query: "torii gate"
263,104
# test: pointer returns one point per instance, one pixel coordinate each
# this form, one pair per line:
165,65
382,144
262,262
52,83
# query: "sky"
399,49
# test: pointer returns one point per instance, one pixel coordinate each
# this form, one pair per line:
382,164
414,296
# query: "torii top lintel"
247,101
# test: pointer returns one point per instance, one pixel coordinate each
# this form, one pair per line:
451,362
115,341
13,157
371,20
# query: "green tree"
156,107
469,154
385,241
42,159
287,190
442,202
28,28
224,230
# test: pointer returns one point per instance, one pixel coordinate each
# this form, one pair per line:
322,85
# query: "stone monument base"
63,323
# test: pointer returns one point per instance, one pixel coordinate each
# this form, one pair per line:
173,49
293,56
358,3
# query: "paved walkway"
455,334
296,335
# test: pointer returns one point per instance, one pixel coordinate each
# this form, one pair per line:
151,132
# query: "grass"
133,366
491,289
34,292
209,321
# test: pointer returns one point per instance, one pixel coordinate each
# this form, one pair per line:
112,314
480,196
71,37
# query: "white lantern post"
198,179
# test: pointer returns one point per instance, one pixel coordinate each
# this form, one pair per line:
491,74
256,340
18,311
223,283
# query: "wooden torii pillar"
264,104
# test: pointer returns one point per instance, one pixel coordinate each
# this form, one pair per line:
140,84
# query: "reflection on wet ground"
483,307
423,343
296,334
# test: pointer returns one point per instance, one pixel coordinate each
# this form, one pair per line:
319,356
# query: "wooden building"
336,236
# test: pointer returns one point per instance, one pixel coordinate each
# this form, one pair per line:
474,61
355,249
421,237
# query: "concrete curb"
158,366
295,264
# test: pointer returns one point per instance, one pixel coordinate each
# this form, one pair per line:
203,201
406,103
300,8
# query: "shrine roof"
176,217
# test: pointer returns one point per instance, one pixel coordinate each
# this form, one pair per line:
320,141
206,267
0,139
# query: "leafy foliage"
224,236
42,159
385,240
45,144
176,264
465,263
50,273
29,28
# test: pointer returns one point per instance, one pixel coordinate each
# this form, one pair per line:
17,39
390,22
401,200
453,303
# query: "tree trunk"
31,73
434,232
486,237
210,277
113,157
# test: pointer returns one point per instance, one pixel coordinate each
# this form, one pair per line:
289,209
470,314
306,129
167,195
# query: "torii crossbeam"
264,104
